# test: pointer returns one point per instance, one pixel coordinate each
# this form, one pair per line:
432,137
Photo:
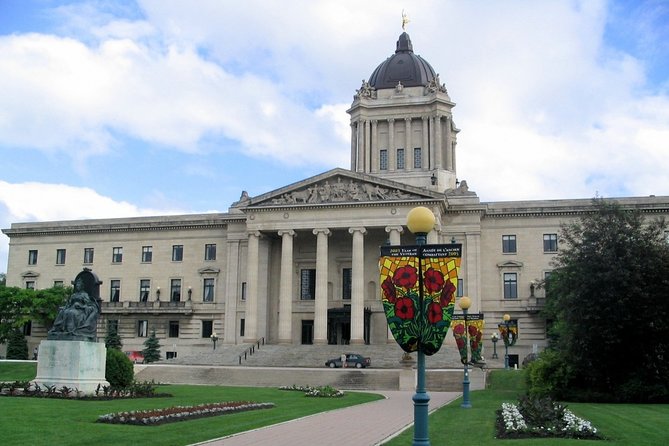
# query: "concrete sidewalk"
362,425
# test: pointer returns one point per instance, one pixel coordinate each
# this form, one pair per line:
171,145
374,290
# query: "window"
142,328
509,244
170,355
114,290
308,284
175,290
88,255
117,254
144,290
210,252
147,254
383,159
346,275
243,290
550,243
60,257
32,257
400,158
242,327
208,292
417,158
58,283
207,328
177,253
173,331
460,290
510,285
28,328
30,284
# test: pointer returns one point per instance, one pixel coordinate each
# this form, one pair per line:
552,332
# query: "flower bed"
541,418
317,392
180,413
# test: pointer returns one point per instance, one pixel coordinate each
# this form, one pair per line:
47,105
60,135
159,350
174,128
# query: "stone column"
391,144
449,155
438,153
251,315
360,166
286,288
375,146
426,143
358,286
354,146
231,292
365,153
408,150
321,304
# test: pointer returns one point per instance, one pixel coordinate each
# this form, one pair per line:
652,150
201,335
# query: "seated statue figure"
77,319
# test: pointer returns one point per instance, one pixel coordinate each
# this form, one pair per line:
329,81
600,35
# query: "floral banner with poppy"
418,286
510,333
473,331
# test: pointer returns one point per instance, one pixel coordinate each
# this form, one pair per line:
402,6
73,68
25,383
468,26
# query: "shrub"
119,371
17,347
547,375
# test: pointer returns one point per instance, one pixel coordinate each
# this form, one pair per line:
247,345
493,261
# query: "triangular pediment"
338,186
510,264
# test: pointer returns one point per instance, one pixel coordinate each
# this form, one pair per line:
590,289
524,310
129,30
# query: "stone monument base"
75,364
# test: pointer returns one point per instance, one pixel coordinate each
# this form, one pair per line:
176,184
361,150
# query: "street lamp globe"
465,302
420,220
506,317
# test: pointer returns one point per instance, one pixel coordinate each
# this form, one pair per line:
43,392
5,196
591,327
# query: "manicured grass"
71,422
620,424
17,371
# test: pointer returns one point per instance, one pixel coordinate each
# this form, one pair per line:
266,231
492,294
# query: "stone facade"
299,264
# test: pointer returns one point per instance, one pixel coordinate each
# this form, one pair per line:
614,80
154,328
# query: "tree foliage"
112,339
608,300
19,305
3,279
17,346
151,350
119,371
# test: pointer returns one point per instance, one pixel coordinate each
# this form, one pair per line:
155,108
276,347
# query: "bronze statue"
77,320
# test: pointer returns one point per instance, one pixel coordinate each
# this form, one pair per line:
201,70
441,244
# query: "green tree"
19,305
17,346
3,279
151,350
112,339
608,300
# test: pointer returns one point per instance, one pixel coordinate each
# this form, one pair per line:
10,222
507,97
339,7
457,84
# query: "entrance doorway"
339,325
308,331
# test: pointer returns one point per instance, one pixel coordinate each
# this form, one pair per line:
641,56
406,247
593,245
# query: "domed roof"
404,66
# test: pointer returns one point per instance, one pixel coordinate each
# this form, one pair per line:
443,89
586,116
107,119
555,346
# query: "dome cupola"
403,67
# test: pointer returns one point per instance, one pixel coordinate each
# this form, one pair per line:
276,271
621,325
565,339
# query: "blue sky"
124,108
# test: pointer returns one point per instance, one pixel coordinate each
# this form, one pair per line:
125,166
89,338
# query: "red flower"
404,308
447,294
389,290
459,329
460,343
472,330
434,313
405,277
434,280
475,345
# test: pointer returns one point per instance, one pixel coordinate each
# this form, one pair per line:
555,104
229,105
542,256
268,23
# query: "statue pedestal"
76,364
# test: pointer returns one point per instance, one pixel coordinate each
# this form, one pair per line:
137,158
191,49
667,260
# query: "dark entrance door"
339,325
307,331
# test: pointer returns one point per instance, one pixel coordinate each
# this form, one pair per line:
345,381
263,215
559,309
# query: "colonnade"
437,144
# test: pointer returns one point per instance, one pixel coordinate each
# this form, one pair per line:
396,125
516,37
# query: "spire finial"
405,21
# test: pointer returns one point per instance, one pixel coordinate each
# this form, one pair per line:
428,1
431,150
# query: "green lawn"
31,420
620,424
71,422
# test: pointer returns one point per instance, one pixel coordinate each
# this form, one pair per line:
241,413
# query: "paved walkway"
362,425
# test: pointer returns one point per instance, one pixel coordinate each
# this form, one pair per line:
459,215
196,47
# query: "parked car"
135,356
352,360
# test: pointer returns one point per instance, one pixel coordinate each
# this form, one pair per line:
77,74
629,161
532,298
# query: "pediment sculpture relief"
339,192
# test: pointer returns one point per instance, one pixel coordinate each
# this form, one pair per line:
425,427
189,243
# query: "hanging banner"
418,286
509,332
473,331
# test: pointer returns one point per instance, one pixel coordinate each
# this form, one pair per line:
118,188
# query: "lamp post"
464,303
494,338
506,319
214,338
420,221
